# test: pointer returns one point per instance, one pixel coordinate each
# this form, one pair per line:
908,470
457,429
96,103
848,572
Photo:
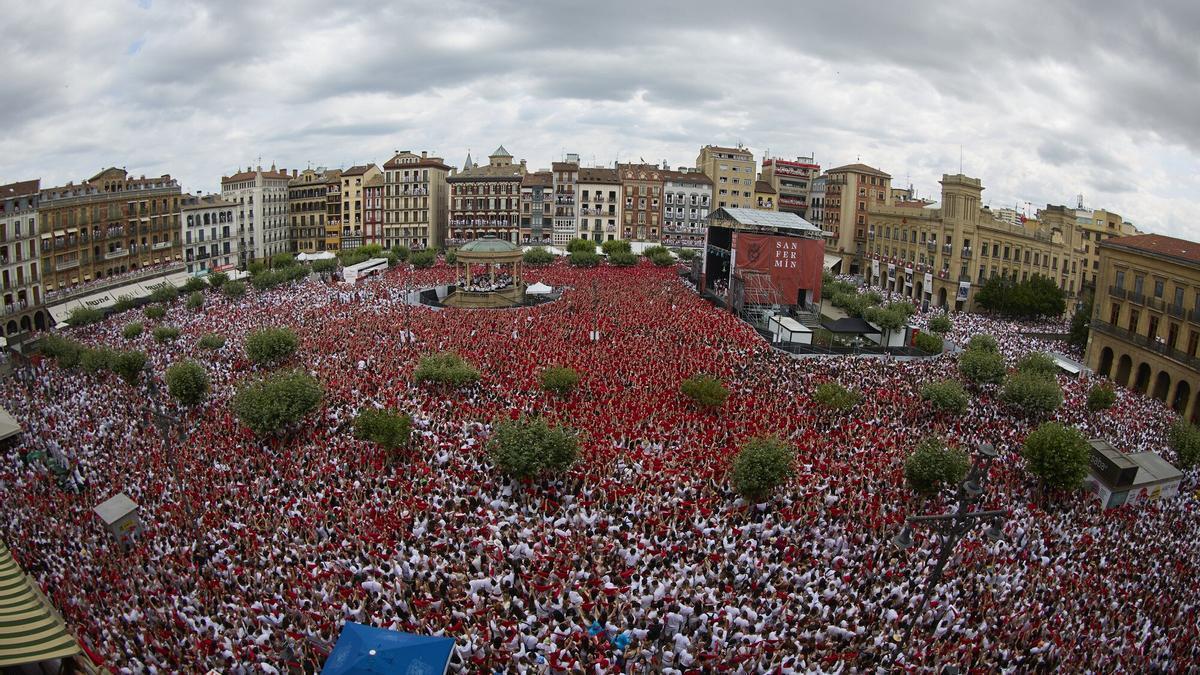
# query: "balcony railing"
1177,311
118,253
1194,315
160,245
1137,297
66,264
1156,303
1151,344
966,253
945,249
1117,292
931,246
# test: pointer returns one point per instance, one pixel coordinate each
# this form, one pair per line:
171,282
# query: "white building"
261,211
210,236
566,223
599,190
21,283
687,197
816,200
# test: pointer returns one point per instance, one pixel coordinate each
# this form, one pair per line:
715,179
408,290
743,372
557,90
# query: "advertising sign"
793,263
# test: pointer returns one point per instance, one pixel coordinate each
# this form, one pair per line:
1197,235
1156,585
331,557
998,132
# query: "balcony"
1156,303
117,253
67,265
1177,311
1117,292
1137,298
564,199
945,249
160,245
966,253
1150,344
1194,315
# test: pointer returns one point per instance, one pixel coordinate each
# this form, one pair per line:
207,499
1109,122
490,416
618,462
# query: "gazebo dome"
488,245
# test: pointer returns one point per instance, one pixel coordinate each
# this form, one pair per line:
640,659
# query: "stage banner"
793,263
929,283
908,274
964,287
875,268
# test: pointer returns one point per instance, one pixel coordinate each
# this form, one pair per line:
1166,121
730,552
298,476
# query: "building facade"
792,181
599,191
733,174
210,238
1095,227
566,224
262,211
307,204
354,181
641,189
851,191
372,212
816,202
1146,319
486,200
333,212
537,208
764,196
687,197
110,224
19,263
415,200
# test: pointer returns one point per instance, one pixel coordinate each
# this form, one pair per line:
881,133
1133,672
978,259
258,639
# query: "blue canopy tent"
365,649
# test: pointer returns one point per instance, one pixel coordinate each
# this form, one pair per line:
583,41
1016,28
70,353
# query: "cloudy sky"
1046,100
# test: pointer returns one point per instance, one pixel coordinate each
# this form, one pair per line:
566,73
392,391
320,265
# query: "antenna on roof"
960,159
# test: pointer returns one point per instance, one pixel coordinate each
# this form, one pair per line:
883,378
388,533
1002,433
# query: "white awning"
9,426
539,289
832,261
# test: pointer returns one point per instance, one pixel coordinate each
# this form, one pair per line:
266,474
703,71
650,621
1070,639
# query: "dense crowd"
642,559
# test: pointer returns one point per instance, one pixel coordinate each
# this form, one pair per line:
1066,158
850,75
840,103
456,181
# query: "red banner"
794,264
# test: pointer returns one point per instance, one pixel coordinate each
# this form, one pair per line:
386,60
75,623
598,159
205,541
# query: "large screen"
794,264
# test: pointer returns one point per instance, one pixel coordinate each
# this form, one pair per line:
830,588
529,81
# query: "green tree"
217,279
947,396
614,245
538,256
389,429
129,366
267,279
559,380
155,312
1037,363
187,382
581,245
686,254
95,360
1034,297
1081,323
622,258
1057,455
527,448
132,330
402,252
278,401
584,259
325,267
271,346
929,343
705,390
1032,393
234,289
423,259
662,259
763,464
65,351
195,300
889,319
123,303
211,341
981,367
651,251
1101,397
1184,439
256,267
940,324
983,343
445,369
451,256
836,397
82,316
194,285
165,294
933,466
165,333
281,260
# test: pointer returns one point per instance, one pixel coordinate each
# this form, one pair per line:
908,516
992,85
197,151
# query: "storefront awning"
833,263
30,628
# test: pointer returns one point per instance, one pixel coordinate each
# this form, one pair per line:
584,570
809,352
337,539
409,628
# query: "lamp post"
952,527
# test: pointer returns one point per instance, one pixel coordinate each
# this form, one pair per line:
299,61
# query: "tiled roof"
599,175
538,179
249,175
686,177
357,170
859,168
1179,249
564,166
489,172
764,187
20,189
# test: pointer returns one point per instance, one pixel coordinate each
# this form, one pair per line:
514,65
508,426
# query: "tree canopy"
836,397
538,256
705,390
187,382
1033,393
528,448
1101,397
981,367
271,346
763,464
447,369
390,429
1184,439
1057,455
933,466
947,396
276,402
1037,296
559,380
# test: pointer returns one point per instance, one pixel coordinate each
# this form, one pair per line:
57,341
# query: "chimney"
295,173
424,154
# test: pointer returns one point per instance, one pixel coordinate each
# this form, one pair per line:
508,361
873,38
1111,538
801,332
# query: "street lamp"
953,526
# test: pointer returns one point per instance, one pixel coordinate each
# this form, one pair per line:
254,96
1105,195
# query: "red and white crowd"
642,559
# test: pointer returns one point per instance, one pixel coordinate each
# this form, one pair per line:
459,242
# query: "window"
1114,314
1178,296
1153,327
1159,286
1139,283
1120,279
1134,315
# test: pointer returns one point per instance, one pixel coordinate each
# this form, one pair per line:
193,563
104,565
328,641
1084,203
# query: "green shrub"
155,312
1184,439
447,369
651,251
268,279
271,346
1032,393
129,366
124,303
1101,397
451,256
325,267
132,330
187,382
983,343
194,285
527,448
685,254
947,395
836,397
940,324
278,401
981,367
932,466
82,316
217,279
164,293
622,258
281,260
763,464
559,380
1057,455
256,267
234,289
538,256
663,259
95,360
581,245
1037,363
390,429
929,343
615,245
65,351
211,341
195,300
584,259
165,333
705,390
401,251
423,259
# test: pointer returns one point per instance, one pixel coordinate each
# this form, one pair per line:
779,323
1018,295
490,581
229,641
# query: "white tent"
552,250
319,255
539,289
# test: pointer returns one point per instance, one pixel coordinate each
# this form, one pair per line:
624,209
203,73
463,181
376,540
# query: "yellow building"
1097,226
1146,318
733,173
353,180
765,196
851,193
416,200
307,205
